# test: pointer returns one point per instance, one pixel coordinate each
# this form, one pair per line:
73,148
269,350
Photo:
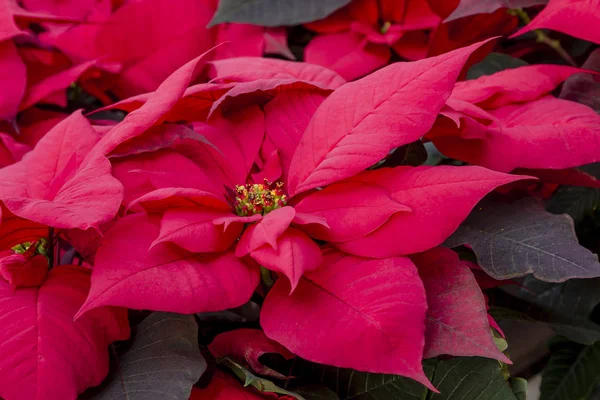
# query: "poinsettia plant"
334,200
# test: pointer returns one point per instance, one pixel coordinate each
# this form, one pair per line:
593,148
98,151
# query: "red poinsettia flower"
357,39
138,44
508,121
182,253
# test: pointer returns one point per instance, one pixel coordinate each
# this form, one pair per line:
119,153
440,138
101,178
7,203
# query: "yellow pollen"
259,198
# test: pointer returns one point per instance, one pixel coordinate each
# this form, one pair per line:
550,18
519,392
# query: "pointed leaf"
559,15
585,88
375,305
44,353
428,192
274,13
457,320
164,361
14,75
571,372
266,231
248,69
522,238
358,124
294,255
246,346
126,273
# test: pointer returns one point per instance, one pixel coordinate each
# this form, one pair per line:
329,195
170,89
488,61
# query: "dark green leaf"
573,371
249,379
519,388
512,240
465,378
577,201
356,385
249,312
494,62
566,307
274,12
163,362
316,392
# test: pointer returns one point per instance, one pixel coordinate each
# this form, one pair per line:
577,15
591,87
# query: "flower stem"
541,37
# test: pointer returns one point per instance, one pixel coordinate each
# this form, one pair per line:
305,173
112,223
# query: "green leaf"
316,392
164,362
356,385
519,388
274,12
521,238
466,378
494,62
576,201
573,371
249,379
565,307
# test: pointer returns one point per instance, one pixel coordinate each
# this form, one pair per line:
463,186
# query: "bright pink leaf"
533,135
23,270
161,101
286,119
13,81
246,346
516,85
165,278
457,322
238,136
54,83
45,354
266,231
294,255
578,18
160,200
193,229
359,124
11,151
246,69
368,315
351,210
430,192
347,53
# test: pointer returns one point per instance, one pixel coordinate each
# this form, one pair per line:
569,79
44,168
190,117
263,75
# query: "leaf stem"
541,37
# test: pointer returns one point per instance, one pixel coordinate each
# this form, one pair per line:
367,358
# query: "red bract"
157,41
246,346
357,39
45,354
56,184
507,120
578,18
199,192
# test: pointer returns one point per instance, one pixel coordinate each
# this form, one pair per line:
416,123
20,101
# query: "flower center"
385,27
259,198
40,247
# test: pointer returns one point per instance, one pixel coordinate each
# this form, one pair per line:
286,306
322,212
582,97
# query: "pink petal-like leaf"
351,210
359,123
44,353
431,193
266,231
165,278
579,18
193,229
13,81
247,69
247,345
457,319
352,304
294,255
